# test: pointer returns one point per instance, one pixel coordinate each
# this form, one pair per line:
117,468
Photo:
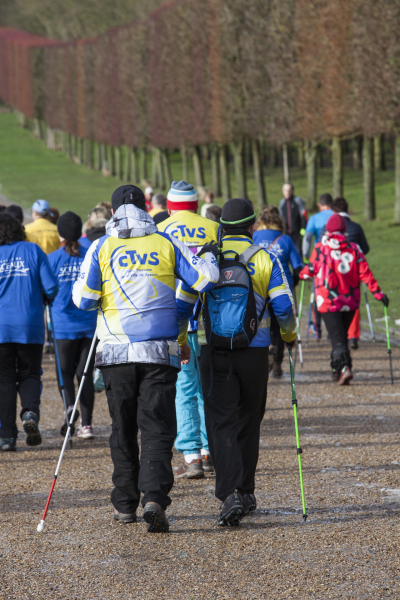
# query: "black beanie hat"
69,226
128,194
237,214
15,211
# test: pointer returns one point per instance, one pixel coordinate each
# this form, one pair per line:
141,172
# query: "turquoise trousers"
189,403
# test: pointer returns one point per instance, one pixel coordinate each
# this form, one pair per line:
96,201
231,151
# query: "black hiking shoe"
232,511
353,344
277,370
155,517
8,444
64,426
249,503
30,422
124,517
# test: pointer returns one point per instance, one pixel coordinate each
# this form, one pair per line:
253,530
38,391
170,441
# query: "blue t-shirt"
284,249
85,242
70,323
317,222
25,276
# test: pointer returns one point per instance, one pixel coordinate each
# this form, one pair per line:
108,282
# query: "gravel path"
347,549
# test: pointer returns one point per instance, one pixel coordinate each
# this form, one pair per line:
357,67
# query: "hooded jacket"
129,277
338,267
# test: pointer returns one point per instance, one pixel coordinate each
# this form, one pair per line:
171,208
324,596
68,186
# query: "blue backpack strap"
249,253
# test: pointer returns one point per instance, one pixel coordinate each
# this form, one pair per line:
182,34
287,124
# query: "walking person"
74,328
235,380
194,231
316,223
44,231
128,276
294,214
269,234
26,280
16,211
339,266
354,233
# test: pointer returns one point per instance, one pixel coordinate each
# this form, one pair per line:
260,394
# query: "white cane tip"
40,527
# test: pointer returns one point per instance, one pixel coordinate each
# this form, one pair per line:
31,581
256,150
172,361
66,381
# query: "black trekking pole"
58,367
40,527
299,450
388,343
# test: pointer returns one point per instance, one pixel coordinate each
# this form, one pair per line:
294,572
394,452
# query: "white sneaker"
85,432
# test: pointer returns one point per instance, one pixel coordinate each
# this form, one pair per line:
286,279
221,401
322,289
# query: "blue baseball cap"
41,206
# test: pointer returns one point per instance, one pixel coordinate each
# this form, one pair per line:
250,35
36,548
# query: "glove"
47,301
385,300
210,247
291,344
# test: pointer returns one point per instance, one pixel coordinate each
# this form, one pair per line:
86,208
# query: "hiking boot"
85,432
124,517
30,422
64,426
353,344
277,370
208,465
48,348
155,517
232,511
335,375
345,376
8,444
249,503
192,470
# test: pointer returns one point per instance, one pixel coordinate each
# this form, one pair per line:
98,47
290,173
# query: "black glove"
291,344
47,301
296,278
210,247
385,301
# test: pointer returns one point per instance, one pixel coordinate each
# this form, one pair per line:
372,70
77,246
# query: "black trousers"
337,324
73,356
20,372
278,345
234,411
141,396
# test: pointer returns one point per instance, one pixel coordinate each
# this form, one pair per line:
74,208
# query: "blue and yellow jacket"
269,282
129,277
194,231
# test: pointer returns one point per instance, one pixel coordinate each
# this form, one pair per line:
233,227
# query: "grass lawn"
28,171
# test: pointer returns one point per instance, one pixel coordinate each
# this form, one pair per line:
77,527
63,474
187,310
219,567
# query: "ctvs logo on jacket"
228,274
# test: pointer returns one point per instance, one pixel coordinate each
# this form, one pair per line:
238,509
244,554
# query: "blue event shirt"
284,249
70,322
25,276
317,222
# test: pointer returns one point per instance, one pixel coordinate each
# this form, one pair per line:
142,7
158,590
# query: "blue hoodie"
70,323
25,277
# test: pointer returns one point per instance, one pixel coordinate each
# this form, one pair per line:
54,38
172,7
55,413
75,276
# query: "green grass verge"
28,171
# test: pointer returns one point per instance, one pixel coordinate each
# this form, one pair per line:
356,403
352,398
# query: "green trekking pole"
299,450
388,343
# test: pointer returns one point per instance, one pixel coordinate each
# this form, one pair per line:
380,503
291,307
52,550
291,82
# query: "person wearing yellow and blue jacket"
235,381
128,276
194,231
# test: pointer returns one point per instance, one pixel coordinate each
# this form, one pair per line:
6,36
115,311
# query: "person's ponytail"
72,248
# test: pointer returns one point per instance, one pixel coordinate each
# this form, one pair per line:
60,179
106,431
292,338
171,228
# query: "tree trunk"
89,153
198,167
356,152
143,165
184,154
368,177
300,155
81,151
379,153
97,156
337,167
321,157
111,160
134,165
240,169
285,156
311,156
166,167
258,174
103,156
215,172
69,145
397,180
273,156
155,179
127,164
160,170
224,170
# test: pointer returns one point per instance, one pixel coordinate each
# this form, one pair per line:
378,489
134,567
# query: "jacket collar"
130,222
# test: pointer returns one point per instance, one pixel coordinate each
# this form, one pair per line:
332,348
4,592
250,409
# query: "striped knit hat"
182,196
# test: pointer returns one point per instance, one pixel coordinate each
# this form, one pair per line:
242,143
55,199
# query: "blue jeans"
189,403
